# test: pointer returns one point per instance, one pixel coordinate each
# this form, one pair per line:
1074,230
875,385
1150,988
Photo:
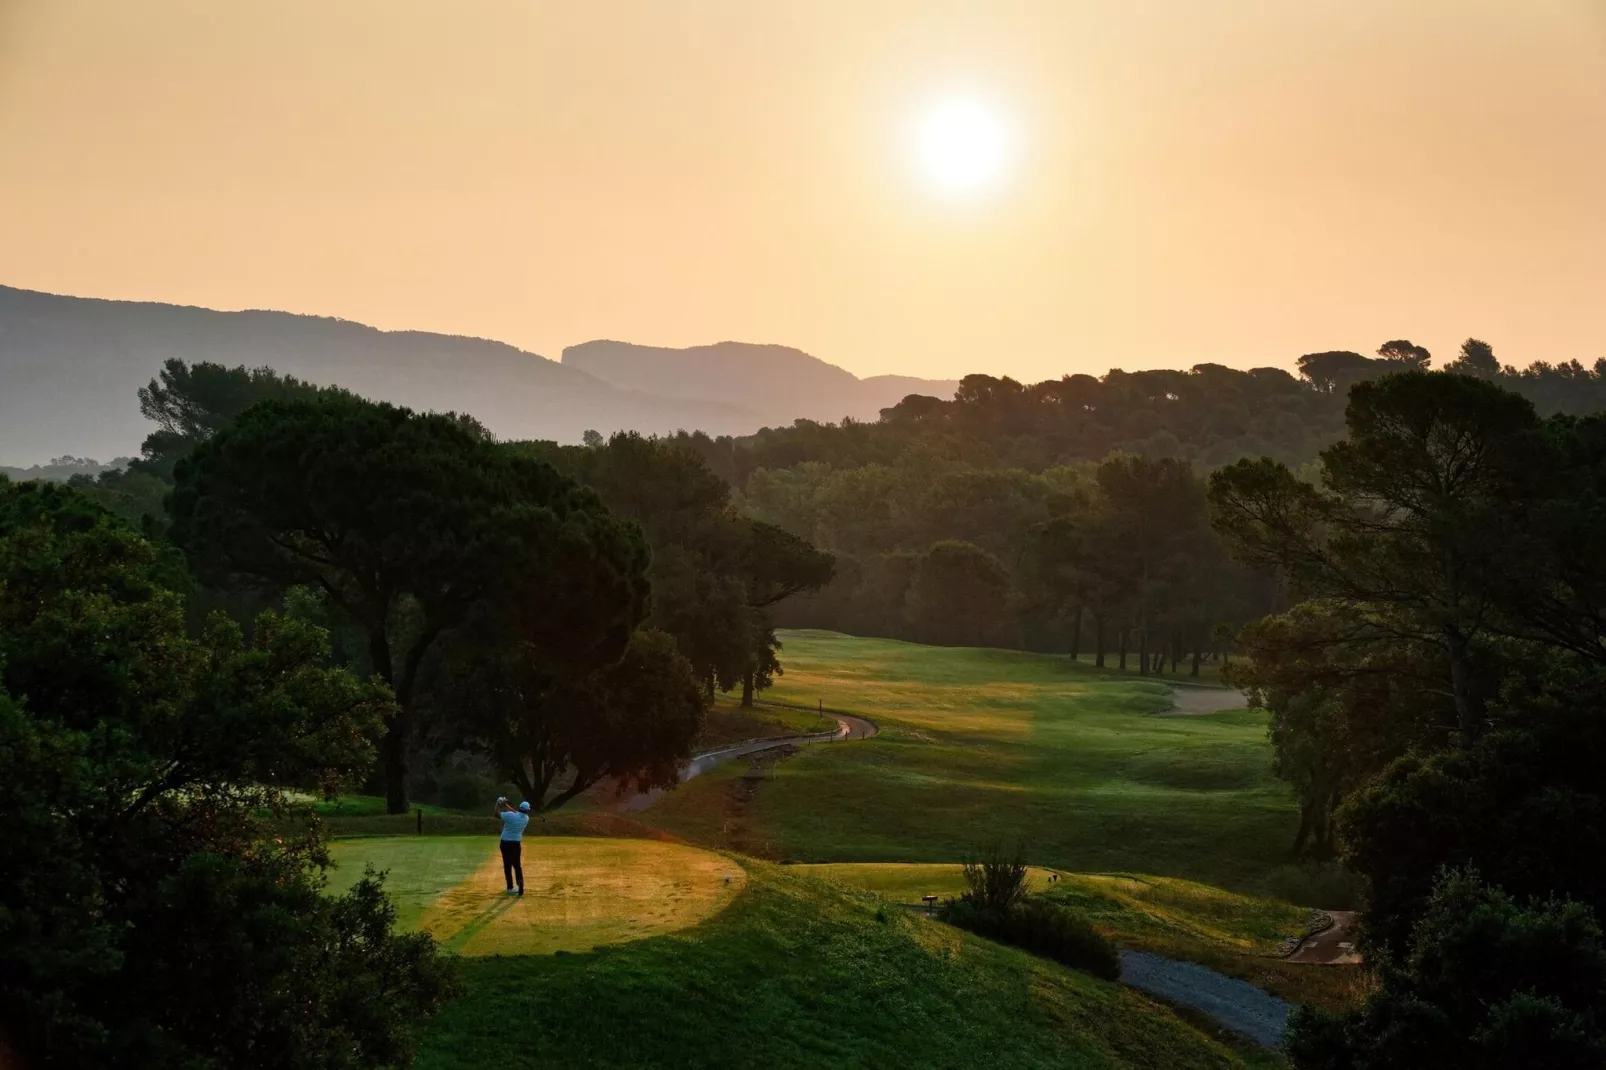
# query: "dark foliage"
410,524
147,918
1042,928
1487,983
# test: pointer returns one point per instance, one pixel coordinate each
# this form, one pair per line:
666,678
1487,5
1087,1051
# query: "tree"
1424,507
960,597
410,523
148,915
1476,359
191,403
1346,697
633,721
1406,354
1489,982
1333,371
1524,805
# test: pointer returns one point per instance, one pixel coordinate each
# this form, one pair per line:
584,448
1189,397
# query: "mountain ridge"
70,368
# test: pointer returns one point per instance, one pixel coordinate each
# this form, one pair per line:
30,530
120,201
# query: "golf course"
775,900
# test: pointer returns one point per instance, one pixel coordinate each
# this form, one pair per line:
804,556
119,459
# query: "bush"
1043,928
997,882
1486,982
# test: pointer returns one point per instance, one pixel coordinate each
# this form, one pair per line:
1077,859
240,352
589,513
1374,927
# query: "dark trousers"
511,864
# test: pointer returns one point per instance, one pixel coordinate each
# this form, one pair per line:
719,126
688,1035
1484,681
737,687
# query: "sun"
962,146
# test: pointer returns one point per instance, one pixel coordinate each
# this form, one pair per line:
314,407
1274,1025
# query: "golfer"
513,822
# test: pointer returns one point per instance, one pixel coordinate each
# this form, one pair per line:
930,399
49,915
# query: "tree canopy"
142,891
409,523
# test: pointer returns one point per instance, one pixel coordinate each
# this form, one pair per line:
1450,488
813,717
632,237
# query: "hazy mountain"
70,366
779,383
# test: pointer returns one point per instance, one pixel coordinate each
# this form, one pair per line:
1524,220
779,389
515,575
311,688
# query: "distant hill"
778,382
70,366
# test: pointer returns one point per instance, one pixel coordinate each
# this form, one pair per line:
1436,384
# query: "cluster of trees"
1113,557
1210,414
717,575
150,914
307,590
1437,702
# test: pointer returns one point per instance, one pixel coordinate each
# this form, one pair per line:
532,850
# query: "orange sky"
1223,180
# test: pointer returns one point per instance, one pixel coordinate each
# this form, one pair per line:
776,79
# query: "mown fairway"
803,972
980,746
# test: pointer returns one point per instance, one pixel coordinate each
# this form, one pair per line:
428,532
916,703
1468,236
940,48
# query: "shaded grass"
978,745
801,972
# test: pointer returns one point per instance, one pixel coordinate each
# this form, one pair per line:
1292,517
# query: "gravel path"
1333,946
1238,1005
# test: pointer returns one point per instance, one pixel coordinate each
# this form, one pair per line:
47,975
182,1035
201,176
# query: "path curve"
1238,1005
1333,946
848,726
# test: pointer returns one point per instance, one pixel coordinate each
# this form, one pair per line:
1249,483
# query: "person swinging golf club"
513,822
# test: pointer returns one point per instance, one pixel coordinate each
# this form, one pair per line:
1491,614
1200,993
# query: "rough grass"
580,892
803,972
979,745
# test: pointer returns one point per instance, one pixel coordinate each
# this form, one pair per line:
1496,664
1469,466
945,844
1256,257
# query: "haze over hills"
777,382
70,368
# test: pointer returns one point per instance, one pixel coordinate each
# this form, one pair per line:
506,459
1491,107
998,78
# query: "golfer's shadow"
479,922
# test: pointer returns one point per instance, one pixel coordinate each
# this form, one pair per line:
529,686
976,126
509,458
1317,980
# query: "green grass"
580,892
804,972
728,722
984,745
1238,935
419,868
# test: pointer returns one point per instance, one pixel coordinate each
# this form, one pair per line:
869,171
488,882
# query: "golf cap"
525,806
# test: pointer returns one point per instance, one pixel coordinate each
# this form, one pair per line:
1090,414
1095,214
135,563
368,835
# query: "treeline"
1210,414
1438,702
1116,559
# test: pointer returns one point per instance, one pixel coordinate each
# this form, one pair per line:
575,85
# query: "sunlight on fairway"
580,893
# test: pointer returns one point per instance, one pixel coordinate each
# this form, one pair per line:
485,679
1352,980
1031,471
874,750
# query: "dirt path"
1238,1005
1333,946
848,727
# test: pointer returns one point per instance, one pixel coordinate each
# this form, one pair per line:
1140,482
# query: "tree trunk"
1122,648
1195,670
1098,639
1076,633
1143,649
393,747
1468,706
747,690
1176,652
393,754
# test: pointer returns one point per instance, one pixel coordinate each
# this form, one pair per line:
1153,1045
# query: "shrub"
997,882
1043,928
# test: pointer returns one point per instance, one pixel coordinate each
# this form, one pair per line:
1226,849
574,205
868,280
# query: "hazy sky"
1238,181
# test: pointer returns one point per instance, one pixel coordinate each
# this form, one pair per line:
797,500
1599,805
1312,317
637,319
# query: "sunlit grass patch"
580,892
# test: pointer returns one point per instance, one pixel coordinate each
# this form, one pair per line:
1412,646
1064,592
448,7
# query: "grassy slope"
802,972
979,745
1238,935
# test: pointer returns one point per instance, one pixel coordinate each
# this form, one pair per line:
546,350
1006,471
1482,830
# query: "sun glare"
962,146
